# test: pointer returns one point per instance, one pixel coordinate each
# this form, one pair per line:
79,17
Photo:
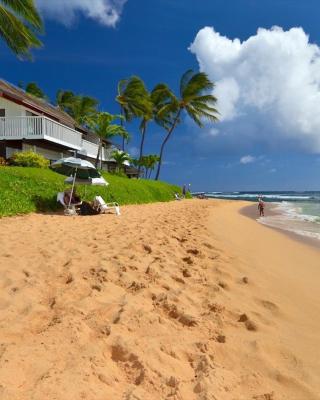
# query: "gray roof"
17,95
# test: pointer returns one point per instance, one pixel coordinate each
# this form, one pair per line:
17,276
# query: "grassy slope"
24,190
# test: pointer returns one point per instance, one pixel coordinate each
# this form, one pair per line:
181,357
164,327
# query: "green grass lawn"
24,190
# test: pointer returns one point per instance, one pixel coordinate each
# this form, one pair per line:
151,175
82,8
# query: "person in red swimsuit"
261,207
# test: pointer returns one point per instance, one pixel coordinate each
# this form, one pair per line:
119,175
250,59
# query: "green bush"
29,159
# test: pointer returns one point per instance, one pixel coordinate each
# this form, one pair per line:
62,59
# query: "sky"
264,57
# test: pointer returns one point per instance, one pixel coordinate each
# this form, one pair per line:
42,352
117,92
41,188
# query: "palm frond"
197,84
26,10
193,114
19,37
185,80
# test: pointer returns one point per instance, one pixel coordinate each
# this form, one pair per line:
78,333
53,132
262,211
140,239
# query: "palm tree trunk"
101,155
98,155
151,169
122,124
144,128
165,141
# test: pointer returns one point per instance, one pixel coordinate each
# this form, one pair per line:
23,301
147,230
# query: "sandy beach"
180,300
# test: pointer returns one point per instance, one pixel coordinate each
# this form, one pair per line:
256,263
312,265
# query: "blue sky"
252,148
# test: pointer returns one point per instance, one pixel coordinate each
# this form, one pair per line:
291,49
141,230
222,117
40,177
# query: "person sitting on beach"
261,207
75,199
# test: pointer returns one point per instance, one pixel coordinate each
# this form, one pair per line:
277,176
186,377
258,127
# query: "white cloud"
268,86
247,159
106,12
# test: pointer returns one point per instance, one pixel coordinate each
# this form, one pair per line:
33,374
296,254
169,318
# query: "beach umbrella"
76,169
90,181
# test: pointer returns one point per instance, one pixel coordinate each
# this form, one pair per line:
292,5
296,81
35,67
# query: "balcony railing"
17,128
39,127
90,149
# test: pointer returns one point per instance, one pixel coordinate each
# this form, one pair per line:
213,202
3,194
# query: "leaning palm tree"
155,102
121,158
102,125
133,99
20,23
193,100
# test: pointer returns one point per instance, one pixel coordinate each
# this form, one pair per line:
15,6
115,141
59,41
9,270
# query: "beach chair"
68,210
103,207
177,197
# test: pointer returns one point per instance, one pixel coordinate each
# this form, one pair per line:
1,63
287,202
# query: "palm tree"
121,158
134,100
20,22
193,100
33,89
79,107
149,162
155,101
102,125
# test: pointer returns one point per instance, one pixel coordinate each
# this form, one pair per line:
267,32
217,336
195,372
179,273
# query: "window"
2,112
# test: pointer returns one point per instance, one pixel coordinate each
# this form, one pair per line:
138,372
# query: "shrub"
3,161
29,159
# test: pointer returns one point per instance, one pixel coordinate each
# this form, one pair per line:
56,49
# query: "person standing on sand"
261,207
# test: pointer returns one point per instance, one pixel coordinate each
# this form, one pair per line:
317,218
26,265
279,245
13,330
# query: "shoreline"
170,300
250,211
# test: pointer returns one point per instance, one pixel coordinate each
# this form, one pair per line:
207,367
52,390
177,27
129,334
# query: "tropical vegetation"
20,26
121,159
147,163
25,190
133,99
79,107
102,124
29,159
194,99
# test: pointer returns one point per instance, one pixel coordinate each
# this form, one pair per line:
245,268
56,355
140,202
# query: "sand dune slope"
168,301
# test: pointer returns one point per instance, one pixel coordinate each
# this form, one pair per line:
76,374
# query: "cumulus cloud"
247,159
268,86
106,12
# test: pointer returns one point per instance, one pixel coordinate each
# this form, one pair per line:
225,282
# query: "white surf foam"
290,218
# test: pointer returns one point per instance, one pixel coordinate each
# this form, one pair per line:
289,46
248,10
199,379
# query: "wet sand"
183,300
251,211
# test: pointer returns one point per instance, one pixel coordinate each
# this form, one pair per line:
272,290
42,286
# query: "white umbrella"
76,168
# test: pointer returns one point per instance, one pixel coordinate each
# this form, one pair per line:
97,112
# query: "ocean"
297,212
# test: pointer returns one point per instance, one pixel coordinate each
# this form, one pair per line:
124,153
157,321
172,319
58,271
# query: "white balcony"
17,128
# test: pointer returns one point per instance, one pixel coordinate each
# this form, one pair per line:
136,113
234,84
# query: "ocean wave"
298,228
295,212
275,197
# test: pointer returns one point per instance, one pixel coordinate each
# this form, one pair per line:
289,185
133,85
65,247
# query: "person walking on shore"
261,207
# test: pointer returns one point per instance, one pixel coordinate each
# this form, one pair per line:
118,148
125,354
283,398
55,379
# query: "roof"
19,96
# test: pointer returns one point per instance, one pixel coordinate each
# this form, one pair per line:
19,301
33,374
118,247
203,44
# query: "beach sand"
181,300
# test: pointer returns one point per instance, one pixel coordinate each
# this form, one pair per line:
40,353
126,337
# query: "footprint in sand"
269,305
266,396
187,260
250,325
194,252
128,362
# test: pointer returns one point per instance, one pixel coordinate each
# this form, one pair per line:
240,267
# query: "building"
29,123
